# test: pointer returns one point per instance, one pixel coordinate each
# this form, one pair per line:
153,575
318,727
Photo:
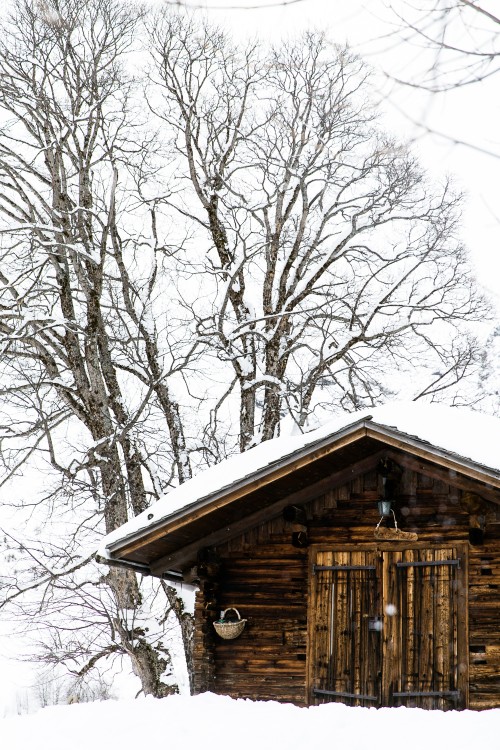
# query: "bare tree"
462,37
332,258
458,50
76,278
251,241
451,47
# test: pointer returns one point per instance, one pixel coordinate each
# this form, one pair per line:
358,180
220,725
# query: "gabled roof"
243,490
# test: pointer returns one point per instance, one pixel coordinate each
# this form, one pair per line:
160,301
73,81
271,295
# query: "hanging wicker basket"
229,629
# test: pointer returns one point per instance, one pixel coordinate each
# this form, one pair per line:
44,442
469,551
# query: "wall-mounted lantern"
296,516
384,508
390,472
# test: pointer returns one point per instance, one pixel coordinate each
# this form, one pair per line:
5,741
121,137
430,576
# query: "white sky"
471,114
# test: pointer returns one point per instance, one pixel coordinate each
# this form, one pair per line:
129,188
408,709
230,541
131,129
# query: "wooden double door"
388,627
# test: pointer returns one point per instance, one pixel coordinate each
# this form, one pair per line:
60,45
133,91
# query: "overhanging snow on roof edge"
308,445
437,452
281,463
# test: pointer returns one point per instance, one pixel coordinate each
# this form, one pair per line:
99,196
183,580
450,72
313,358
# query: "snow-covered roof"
470,436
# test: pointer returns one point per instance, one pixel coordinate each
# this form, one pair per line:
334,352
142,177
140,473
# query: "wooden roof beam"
421,449
446,475
264,477
182,557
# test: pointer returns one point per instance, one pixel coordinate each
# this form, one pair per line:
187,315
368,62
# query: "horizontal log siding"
484,621
267,583
205,612
265,577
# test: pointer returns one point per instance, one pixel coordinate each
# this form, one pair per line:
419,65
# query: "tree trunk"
247,416
186,623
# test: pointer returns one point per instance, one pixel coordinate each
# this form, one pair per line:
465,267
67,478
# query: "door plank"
345,661
416,596
429,629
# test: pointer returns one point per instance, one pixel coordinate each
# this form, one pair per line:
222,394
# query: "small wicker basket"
229,629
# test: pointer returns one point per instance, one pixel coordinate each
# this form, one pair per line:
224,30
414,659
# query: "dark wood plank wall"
484,621
266,578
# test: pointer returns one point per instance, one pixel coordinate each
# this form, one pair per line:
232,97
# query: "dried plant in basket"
229,629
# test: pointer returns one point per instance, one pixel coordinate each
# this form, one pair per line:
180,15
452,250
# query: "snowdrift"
213,721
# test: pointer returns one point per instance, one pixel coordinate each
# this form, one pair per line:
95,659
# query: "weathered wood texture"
385,628
205,612
345,628
266,580
484,621
270,582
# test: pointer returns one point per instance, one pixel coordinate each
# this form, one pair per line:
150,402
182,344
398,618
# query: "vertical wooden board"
319,617
366,613
408,595
330,499
370,481
451,667
414,606
443,625
324,655
346,604
370,657
437,622
408,483
376,653
372,648
392,619
311,626
335,617
462,625
357,485
343,493
357,581
403,585
360,581
357,625
424,621
341,658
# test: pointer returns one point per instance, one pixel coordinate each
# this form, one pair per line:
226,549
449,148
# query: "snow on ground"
213,721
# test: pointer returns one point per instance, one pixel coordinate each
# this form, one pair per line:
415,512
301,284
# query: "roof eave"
426,450
361,428
354,431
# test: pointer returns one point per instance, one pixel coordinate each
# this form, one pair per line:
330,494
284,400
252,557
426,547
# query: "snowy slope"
210,721
464,432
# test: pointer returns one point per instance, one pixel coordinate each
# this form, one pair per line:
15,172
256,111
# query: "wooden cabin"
344,599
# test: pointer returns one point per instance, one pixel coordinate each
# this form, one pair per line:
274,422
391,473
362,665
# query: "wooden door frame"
462,598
